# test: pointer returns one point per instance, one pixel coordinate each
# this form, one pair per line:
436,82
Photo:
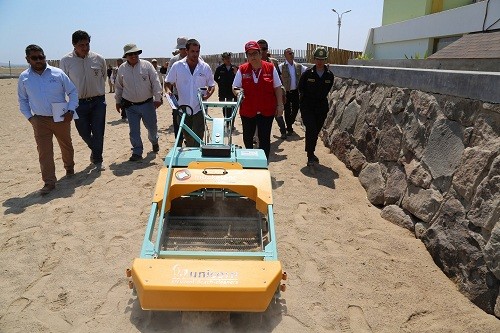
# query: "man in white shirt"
290,74
188,75
138,91
88,72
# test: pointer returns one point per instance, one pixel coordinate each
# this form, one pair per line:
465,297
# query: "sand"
64,255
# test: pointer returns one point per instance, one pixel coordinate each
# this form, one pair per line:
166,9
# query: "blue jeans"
90,125
147,113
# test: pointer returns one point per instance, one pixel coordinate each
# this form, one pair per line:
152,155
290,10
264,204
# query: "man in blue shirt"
42,91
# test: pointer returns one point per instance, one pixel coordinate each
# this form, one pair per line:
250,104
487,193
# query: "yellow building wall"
402,10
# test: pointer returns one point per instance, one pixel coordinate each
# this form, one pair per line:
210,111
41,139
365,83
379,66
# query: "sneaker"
70,172
156,147
47,188
135,157
315,158
290,133
283,136
310,162
99,167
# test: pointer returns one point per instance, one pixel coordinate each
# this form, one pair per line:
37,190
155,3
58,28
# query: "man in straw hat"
314,86
180,53
139,92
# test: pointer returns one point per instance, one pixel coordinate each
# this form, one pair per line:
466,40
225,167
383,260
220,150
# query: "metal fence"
335,56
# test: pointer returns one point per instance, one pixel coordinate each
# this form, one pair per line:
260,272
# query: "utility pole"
339,24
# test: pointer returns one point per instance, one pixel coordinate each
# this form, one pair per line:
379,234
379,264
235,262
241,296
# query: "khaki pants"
44,128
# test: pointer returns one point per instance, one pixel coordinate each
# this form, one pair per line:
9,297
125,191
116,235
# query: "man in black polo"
224,76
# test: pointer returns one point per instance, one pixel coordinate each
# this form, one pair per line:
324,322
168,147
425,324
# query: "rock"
456,251
356,160
389,146
472,169
396,215
349,117
417,174
486,126
372,180
492,251
422,203
398,101
426,105
395,185
420,229
444,148
414,133
485,208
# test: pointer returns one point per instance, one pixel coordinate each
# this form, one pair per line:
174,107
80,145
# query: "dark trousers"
314,117
91,123
264,125
175,121
227,111
291,108
196,123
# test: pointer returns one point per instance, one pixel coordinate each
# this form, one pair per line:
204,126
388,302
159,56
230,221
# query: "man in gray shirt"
138,91
87,70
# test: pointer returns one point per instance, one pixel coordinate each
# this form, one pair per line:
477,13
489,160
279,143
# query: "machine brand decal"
183,174
186,276
214,179
249,153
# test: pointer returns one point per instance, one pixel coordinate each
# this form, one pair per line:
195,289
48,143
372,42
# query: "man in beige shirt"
87,70
138,91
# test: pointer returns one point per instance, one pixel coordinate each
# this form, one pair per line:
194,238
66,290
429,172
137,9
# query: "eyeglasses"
35,58
252,54
289,53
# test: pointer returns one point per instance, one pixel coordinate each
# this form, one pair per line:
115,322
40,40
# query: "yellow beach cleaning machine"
210,242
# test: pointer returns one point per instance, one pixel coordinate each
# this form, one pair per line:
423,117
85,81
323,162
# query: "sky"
219,25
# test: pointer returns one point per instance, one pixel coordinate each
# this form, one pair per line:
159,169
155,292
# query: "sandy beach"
64,255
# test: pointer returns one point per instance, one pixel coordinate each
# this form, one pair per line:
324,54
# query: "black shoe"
283,136
70,172
91,157
310,162
315,158
156,147
135,158
290,133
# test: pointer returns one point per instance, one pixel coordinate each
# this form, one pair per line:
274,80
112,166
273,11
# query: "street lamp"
339,23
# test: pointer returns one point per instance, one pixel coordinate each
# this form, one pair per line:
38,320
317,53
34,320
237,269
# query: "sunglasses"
35,58
290,53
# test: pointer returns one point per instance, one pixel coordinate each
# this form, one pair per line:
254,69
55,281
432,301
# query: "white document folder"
59,110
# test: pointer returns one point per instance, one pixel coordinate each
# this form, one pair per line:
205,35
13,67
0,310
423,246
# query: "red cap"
252,45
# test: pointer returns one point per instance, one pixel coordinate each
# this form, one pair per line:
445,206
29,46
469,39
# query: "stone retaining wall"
432,162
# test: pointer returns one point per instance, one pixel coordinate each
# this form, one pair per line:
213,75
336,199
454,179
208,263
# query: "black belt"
89,99
129,103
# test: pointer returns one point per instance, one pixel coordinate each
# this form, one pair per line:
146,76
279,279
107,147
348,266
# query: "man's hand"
118,108
68,116
279,110
158,103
